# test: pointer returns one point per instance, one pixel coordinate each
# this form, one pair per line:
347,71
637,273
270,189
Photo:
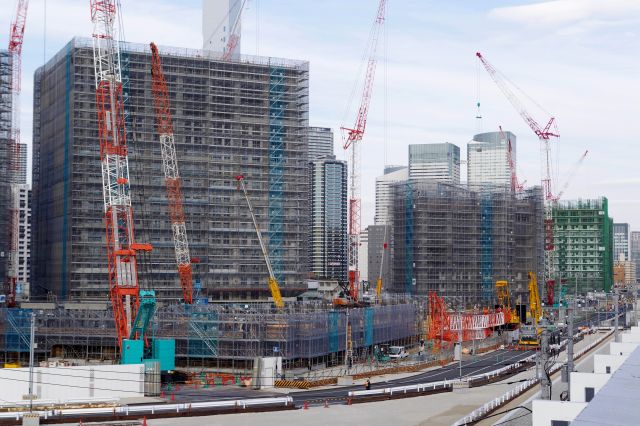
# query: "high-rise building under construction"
459,242
247,116
6,105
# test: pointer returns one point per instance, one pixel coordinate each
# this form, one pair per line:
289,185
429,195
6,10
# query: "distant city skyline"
574,64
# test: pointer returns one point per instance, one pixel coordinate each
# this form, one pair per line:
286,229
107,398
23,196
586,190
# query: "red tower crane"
118,214
516,186
172,179
234,36
544,134
15,54
352,138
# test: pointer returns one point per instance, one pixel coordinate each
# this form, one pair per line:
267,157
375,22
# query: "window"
588,394
559,423
608,369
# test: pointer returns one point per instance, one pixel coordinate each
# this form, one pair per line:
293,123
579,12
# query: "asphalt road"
471,366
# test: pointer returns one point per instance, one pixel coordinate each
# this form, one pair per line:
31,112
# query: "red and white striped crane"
172,179
352,138
545,136
234,36
516,186
16,39
118,214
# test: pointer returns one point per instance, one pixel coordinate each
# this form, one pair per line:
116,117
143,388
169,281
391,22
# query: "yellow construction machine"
530,333
511,318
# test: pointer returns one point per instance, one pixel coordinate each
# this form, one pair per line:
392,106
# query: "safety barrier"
400,391
305,384
157,409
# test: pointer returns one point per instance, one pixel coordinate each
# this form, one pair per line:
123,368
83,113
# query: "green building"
583,235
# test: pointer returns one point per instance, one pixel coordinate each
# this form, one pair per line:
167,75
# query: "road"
473,365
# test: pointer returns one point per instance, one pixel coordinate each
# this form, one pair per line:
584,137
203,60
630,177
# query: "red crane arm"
357,132
542,133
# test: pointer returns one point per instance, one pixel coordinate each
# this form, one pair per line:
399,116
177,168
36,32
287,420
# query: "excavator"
530,333
511,318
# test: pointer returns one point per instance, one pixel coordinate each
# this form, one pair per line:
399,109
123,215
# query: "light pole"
31,347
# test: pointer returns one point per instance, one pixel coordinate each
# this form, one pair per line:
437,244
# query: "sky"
576,58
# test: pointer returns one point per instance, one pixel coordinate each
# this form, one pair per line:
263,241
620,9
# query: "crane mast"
164,124
16,39
234,38
118,214
544,134
352,141
273,282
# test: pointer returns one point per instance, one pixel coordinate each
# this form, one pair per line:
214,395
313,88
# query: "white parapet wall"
63,384
602,361
544,411
630,338
622,348
581,381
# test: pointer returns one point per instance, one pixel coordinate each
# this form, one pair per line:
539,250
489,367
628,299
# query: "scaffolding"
247,116
221,336
457,241
584,239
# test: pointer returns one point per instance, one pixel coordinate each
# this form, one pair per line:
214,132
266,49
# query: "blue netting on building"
409,283
17,329
276,169
368,326
203,333
334,331
486,244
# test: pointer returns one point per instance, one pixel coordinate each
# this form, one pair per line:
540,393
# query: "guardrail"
237,404
398,391
481,412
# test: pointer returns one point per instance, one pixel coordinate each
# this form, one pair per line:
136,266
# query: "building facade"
384,192
436,161
363,255
6,110
218,20
583,239
635,250
320,143
328,230
22,203
230,118
487,159
458,242
620,241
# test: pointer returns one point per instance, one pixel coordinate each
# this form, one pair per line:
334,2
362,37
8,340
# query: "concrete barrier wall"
581,381
61,384
602,361
622,348
544,412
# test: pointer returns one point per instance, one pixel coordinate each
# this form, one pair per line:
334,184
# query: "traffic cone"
349,401
80,424
144,421
305,406
173,396
161,394
326,404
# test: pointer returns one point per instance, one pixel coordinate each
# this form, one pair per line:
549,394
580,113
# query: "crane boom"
544,135
118,214
571,175
16,39
172,179
352,141
273,283
234,38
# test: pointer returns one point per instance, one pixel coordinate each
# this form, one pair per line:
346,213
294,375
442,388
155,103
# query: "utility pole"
545,380
615,302
570,350
31,347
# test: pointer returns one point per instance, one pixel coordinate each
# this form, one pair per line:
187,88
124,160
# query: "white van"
397,352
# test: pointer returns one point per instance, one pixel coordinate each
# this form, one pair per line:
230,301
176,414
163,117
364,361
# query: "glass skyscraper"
436,161
487,159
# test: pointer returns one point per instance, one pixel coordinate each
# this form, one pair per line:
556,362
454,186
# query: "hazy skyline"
577,58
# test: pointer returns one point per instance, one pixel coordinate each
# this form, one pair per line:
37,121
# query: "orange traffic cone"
173,396
144,421
349,401
326,404
305,406
161,394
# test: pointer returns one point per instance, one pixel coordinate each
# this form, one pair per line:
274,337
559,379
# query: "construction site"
171,229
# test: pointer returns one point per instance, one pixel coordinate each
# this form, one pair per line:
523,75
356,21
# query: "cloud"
562,13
